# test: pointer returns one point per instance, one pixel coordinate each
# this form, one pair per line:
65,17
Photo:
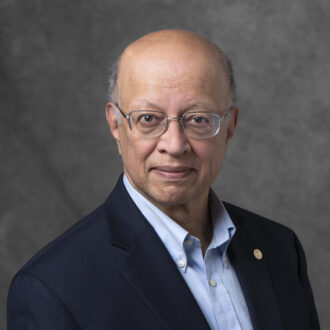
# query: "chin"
171,197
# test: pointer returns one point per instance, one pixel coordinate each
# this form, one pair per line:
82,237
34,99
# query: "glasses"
197,124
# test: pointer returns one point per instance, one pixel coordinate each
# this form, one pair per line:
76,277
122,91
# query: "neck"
193,217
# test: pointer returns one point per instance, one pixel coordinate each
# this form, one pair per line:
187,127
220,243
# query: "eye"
197,119
147,118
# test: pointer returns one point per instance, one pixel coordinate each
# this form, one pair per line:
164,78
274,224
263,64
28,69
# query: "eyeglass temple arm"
228,112
123,114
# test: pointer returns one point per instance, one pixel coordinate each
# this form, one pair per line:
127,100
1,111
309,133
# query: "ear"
232,124
112,120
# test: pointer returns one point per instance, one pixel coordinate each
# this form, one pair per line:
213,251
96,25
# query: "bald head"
171,47
173,42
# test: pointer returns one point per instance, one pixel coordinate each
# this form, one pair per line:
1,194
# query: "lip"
172,172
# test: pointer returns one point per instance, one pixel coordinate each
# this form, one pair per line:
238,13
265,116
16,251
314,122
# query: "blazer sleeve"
302,271
33,305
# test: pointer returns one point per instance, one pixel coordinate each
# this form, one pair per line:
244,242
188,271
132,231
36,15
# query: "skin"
173,71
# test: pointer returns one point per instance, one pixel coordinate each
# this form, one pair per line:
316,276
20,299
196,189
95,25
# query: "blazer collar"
126,222
253,273
147,265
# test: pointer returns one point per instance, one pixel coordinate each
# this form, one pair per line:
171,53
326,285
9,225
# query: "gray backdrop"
58,160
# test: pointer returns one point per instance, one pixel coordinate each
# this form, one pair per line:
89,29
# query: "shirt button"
188,242
213,282
181,263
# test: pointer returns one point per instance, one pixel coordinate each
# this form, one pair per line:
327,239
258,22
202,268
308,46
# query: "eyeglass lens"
154,123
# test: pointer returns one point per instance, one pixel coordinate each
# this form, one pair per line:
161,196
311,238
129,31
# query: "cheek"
212,156
136,151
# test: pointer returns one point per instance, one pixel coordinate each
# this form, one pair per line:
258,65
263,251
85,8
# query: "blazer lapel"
148,267
153,274
253,276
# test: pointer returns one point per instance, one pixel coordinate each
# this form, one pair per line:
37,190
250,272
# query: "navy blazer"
111,271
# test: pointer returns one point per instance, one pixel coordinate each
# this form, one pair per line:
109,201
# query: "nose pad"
178,119
174,142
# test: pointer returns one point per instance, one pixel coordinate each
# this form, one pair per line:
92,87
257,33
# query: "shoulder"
260,229
248,218
82,240
88,242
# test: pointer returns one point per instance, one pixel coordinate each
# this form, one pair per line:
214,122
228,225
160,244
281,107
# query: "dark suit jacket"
111,271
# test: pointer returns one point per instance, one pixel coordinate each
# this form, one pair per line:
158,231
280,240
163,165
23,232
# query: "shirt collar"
223,227
173,235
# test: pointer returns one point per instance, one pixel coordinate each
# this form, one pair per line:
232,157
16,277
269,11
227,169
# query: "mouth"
172,172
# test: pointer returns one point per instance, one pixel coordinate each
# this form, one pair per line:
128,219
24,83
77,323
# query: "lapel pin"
257,254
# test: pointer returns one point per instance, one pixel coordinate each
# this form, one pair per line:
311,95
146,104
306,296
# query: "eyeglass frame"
221,118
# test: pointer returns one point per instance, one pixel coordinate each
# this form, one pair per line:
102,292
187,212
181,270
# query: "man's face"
171,169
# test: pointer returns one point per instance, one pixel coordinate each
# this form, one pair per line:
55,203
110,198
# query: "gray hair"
231,80
112,82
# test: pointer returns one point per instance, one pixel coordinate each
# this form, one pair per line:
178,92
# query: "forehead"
175,68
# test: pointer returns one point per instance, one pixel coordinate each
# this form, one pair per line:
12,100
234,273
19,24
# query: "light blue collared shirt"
212,280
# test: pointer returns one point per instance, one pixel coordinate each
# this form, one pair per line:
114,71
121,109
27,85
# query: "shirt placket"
222,304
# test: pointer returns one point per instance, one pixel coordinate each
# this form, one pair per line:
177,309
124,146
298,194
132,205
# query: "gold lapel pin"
257,254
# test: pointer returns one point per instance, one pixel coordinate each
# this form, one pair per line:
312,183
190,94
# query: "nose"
174,140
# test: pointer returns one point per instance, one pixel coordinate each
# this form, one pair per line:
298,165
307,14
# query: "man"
163,252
